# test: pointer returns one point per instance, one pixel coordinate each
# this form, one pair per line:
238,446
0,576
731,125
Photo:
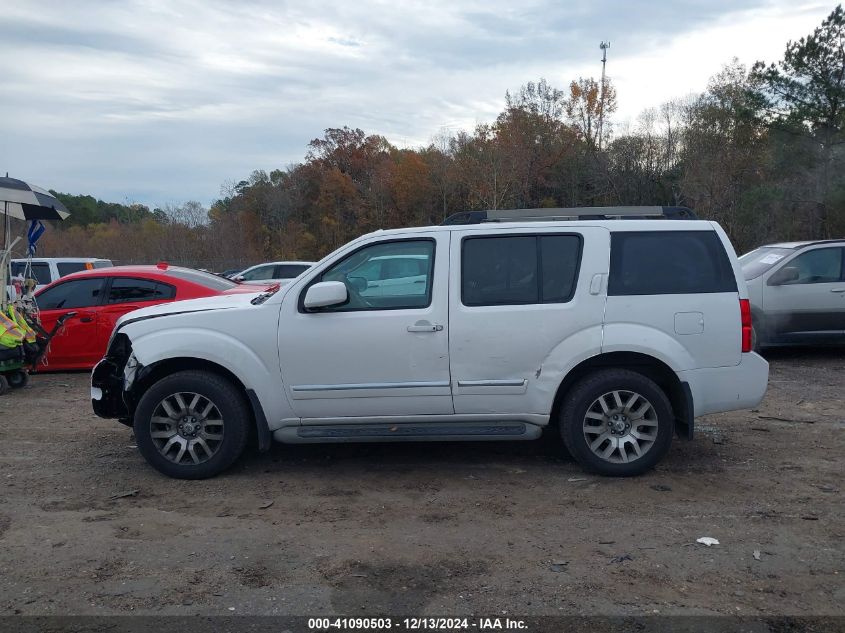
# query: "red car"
101,296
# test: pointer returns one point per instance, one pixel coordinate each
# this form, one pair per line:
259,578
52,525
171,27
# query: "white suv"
618,332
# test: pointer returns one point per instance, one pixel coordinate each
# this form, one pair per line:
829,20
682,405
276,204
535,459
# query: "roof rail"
572,213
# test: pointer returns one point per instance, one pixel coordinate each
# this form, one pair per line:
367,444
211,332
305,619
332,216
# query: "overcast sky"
161,101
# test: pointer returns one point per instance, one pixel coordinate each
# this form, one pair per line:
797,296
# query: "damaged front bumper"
111,382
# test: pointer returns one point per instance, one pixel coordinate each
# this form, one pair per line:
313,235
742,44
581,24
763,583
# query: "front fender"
261,375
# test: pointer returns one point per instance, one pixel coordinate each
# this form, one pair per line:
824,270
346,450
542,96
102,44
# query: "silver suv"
613,327
797,292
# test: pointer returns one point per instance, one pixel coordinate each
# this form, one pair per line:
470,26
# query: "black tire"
586,393
4,384
18,379
227,399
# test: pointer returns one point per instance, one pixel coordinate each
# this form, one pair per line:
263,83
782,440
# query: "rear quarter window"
289,271
668,262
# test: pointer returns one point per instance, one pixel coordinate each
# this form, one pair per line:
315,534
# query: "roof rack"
572,213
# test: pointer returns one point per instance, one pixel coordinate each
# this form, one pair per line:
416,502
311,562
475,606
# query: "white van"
46,270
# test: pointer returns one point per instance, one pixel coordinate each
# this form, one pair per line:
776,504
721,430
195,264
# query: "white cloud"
163,100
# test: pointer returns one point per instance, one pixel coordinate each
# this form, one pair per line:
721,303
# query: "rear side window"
66,268
668,262
262,272
519,269
289,271
125,290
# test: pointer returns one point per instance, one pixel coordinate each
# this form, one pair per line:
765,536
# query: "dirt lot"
429,528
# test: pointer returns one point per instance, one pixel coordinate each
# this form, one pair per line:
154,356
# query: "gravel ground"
415,529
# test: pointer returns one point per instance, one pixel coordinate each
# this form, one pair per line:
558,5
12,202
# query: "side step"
432,432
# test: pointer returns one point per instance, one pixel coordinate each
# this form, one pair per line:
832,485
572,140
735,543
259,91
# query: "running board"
407,432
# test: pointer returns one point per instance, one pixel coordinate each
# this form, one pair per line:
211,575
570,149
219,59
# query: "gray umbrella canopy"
28,202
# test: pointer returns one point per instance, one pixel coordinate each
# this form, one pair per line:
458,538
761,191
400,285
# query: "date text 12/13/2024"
417,624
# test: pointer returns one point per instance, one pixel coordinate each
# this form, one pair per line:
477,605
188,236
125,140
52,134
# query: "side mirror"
238,278
785,275
326,293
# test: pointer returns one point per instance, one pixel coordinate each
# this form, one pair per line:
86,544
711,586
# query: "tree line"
760,151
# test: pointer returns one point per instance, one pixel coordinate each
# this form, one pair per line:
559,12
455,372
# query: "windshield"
762,259
203,279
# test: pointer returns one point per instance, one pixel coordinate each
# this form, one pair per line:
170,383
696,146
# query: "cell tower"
603,46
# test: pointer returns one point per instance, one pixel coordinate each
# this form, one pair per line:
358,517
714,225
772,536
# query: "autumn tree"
532,132
589,108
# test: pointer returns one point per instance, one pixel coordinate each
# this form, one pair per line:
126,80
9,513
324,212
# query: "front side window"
79,293
408,266
519,269
668,262
823,265
366,275
125,290
371,271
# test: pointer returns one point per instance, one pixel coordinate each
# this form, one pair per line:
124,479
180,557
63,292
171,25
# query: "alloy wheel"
187,428
620,426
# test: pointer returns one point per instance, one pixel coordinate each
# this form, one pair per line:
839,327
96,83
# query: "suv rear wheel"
192,424
617,422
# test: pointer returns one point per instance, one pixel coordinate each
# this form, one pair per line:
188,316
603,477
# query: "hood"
218,302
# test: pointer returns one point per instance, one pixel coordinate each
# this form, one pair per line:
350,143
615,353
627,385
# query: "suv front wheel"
192,424
617,422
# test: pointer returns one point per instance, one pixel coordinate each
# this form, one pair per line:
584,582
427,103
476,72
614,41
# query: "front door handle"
86,319
425,326
837,289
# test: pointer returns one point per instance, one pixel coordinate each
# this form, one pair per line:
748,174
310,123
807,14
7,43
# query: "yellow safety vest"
10,334
18,318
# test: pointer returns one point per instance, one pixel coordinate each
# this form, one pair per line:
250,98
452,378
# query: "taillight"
745,319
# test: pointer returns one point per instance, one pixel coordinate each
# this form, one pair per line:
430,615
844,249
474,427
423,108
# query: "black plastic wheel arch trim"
685,423
261,426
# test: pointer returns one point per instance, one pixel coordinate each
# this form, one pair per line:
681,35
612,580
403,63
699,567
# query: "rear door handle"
86,319
425,326
837,289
